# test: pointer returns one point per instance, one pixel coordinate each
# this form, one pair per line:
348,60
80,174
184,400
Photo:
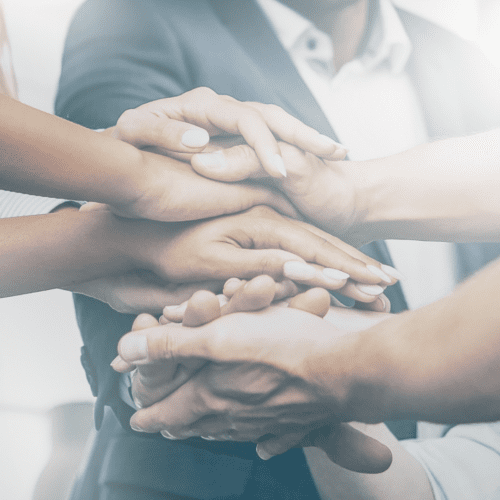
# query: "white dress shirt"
372,106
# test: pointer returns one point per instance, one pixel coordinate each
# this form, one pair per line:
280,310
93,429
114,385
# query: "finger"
202,308
380,304
231,285
362,292
293,131
144,321
353,450
92,206
375,272
315,301
175,413
229,165
257,294
344,445
142,127
276,444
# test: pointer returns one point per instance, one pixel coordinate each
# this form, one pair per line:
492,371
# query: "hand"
245,387
251,243
141,292
182,125
328,193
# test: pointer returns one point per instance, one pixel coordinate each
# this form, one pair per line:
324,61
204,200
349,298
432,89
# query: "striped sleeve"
18,204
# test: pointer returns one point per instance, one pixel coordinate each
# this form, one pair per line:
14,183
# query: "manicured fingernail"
187,434
298,270
119,364
329,141
167,435
278,164
386,303
392,272
263,454
134,348
369,289
195,138
181,309
214,160
339,154
223,300
335,274
378,272
208,438
136,428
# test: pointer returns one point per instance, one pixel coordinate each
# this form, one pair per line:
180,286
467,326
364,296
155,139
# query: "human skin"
441,191
78,246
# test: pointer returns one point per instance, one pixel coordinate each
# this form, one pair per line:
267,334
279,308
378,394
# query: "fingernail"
370,289
208,438
386,302
136,428
167,435
298,270
181,309
335,274
278,164
223,300
214,160
263,454
195,138
392,272
339,154
134,348
119,364
330,142
187,434
378,272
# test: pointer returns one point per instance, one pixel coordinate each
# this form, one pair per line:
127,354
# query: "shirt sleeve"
464,464
18,204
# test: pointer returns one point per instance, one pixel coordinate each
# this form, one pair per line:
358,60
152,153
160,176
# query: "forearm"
48,156
439,363
405,478
60,249
444,191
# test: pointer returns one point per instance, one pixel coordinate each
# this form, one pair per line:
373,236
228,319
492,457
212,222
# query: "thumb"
344,445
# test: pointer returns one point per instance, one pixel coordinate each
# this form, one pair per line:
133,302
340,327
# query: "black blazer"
120,54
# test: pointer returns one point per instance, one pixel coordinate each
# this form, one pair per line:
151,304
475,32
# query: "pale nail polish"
369,289
392,272
195,138
330,142
298,270
180,309
167,435
335,274
136,428
223,300
134,348
379,273
263,454
119,364
339,154
214,160
278,164
208,438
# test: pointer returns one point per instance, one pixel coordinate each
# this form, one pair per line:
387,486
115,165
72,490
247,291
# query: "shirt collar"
388,44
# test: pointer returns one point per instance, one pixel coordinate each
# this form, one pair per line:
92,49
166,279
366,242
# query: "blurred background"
44,397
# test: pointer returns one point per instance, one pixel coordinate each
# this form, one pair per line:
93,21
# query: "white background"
40,343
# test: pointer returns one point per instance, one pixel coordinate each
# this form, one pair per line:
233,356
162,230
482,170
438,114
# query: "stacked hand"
205,252
187,396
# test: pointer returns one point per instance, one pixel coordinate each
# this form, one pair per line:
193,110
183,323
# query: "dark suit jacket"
122,53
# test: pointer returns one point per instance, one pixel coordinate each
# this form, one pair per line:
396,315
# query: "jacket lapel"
250,27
